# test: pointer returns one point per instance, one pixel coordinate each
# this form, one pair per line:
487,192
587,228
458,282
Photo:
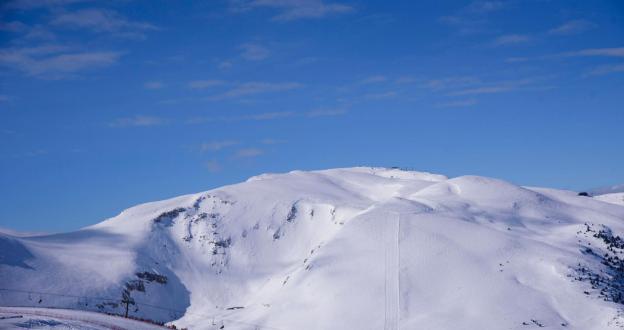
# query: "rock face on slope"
356,248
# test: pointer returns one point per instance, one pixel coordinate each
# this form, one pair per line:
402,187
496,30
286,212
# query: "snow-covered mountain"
355,248
618,188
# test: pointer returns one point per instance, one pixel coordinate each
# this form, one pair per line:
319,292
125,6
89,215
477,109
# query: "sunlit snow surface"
356,248
61,319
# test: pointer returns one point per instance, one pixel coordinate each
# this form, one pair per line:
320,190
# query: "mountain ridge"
362,247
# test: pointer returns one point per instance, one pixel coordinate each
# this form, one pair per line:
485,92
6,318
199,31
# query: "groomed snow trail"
391,288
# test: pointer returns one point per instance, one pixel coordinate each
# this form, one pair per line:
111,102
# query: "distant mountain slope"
615,198
355,248
618,188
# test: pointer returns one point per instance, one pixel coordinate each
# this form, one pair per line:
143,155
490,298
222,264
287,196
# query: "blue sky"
107,104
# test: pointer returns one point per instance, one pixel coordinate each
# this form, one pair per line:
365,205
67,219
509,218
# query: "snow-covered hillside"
17,318
615,198
356,248
618,188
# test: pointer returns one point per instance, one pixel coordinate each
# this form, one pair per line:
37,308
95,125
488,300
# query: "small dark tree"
127,300
583,193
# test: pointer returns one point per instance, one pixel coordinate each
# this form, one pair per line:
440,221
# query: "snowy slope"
618,188
356,248
44,318
615,198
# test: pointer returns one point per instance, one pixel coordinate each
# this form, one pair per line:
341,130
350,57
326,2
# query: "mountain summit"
353,248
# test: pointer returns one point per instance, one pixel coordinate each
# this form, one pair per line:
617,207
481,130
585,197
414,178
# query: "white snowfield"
46,318
354,248
615,198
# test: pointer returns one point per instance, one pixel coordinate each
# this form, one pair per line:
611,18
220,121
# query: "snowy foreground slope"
45,318
357,248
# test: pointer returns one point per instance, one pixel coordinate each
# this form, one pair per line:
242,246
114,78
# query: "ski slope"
351,248
44,318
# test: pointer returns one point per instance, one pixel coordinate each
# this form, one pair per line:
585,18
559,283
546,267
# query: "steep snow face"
356,248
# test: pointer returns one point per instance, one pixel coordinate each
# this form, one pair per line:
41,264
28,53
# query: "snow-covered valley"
354,248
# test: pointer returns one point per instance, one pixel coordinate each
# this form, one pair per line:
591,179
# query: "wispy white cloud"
217,145
381,95
269,141
606,52
457,103
137,121
406,80
32,153
224,65
101,20
606,69
290,10
588,52
326,112
450,82
254,52
203,84
472,18
373,79
54,61
572,27
34,4
251,117
511,39
253,88
499,87
265,116
249,153
484,7
38,32
153,85
483,90
13,26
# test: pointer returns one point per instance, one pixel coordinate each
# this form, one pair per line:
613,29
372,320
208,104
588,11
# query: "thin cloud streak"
217,145
290,10
326,112
606,69
572,27
254,52
54,61
100,20
203,84
252,88
137,121
153,85
511,39
589,52
457,104
249,153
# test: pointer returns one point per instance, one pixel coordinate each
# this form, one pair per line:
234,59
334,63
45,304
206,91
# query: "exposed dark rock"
152,277
607,280
135,285
166,218
292,214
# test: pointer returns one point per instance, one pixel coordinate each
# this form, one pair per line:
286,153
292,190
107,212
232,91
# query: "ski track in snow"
391,286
